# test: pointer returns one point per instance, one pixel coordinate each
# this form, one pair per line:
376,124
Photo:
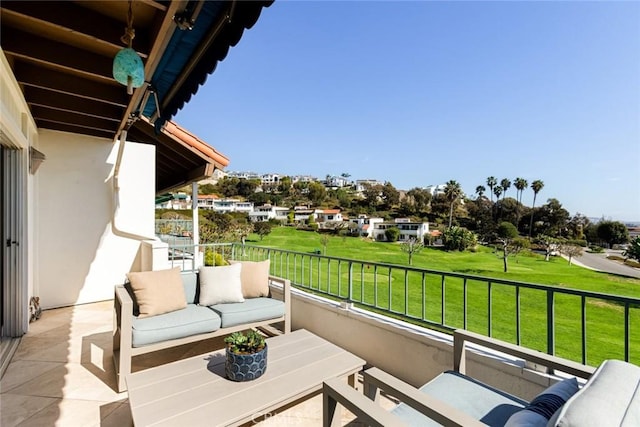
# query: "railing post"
551,333
350,284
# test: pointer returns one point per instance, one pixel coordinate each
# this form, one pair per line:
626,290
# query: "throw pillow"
220,285
543,406
157,292
254,278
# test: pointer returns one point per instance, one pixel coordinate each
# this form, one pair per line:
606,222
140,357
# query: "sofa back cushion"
611,397
219,285
254,277
190,284
157,292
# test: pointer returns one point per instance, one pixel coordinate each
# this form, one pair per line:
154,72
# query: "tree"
324,241
613,232
577,226
452,192
633,251
570,251
549,243
553,218
458,239
520,184
206,189
317,193
390,196
372,194
262,229
411,247
420,199
536,186
505,184
392,234
507,232
480,189
491,182
497,190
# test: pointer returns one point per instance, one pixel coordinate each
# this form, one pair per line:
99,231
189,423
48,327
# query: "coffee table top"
195,391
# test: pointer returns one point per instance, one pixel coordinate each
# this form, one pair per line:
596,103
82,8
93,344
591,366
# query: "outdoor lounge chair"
610,397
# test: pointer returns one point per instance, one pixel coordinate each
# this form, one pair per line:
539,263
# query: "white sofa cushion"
611,397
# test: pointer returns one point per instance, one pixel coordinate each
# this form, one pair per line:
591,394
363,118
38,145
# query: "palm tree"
491,182
520,185
536,186
452,192
497,190
505,184
480,189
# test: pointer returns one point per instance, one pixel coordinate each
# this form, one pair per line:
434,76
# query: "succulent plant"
248,343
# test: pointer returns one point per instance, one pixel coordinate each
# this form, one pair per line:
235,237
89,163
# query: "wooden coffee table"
195,391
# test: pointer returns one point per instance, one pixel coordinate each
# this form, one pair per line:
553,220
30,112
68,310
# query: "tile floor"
62,374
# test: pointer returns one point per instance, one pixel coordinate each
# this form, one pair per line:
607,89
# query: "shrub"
596,249
458,239
392,234
212,258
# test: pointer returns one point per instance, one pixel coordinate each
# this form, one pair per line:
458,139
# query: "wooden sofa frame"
123,350
364,406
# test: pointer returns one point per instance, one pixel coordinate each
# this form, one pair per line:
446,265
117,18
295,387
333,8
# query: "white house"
329,215
337,181
267,212
362,183
301,214
408,229
213,202
366,225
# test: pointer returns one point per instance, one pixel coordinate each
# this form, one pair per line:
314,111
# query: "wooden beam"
61,101
31,75
43,124
75,119
28,46
81,21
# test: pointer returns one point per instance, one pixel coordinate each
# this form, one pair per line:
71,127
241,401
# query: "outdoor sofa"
610,396
162,309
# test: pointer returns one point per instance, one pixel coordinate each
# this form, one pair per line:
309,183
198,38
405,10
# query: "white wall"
81,258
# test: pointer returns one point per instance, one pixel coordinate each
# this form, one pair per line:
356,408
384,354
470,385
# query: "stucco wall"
80,257
411,353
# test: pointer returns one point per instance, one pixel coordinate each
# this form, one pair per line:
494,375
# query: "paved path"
600,262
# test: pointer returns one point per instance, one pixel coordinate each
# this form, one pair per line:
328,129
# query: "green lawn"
390,289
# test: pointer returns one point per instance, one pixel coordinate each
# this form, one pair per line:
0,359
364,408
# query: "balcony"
62,372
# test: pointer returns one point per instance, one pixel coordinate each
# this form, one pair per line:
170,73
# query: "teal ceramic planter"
245,367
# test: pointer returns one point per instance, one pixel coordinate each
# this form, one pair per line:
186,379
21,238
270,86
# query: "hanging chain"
129,32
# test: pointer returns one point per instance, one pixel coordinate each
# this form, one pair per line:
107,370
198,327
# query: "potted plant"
246,356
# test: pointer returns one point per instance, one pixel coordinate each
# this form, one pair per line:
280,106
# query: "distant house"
361,184
213,202
266,212
301,214
337,181
329,215
366,225
408,229
174,201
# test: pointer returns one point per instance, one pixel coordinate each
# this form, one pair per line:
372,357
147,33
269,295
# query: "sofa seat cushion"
478,400
191,320
251,310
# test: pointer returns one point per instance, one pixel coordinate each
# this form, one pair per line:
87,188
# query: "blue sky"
418,93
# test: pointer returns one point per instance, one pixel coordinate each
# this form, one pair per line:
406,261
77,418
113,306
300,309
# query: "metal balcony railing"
580,325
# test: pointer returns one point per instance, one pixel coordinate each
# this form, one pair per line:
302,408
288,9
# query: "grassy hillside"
605,322
530,267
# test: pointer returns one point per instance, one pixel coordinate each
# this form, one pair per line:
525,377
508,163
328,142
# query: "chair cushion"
478,400
255,278
157,292
189,321
611,397
544,405
251,310
220,285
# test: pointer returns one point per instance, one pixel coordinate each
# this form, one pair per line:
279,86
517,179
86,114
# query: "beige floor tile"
22,371
71,381
14,409
69,413
120,417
